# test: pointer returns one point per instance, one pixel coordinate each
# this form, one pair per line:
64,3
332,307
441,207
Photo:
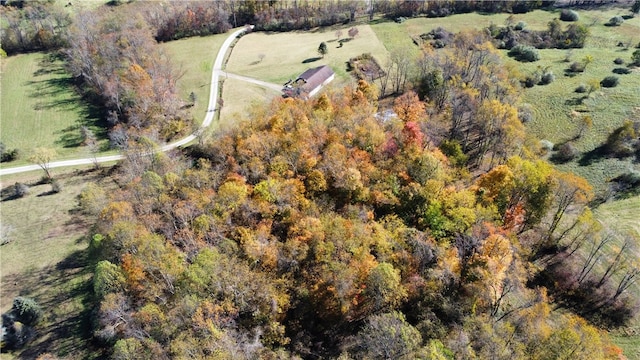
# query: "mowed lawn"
233,110
287,55
39,108
193,58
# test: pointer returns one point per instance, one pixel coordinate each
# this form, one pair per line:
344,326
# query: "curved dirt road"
208,119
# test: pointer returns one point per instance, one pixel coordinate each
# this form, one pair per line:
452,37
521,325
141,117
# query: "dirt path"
208,119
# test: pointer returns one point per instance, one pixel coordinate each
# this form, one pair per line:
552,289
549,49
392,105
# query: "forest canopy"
314,228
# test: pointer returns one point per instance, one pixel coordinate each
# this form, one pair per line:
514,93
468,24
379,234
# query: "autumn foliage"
314,228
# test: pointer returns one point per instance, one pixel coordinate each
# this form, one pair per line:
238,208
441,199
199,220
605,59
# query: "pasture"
39,108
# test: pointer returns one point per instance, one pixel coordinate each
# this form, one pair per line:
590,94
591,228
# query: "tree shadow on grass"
593,156
576,101
310,60
59,93
64,291
69,137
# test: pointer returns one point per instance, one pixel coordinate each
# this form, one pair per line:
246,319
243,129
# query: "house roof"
315,77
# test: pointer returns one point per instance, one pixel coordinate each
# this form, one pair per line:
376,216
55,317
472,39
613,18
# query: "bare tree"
595,254
403,66
42,157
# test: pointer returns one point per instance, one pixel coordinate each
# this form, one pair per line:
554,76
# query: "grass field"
47,260
39,108
234,89
287,55
608,107
630,344
193,58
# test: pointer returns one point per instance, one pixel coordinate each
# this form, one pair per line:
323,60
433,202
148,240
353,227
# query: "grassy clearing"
47,260
621,215
39,108
234,110
193,58
608,107
630,345
287,55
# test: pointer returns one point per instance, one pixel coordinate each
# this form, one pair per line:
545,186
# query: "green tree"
26,310
384,287
588,59
322,49
107,279
593,85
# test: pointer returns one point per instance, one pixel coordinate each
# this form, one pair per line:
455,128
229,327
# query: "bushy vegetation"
573,36
626,184
18,323
569,15
566,152
621,71
616,21
524,53
576,67
33,26
438,38
610,81
7,155
635,58
623,141
547,78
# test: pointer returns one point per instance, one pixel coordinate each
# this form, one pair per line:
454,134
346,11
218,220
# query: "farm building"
309,82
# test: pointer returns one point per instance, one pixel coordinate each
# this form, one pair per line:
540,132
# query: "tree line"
42,24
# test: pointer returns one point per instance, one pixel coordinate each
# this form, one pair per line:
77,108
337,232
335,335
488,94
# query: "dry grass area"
287,55
238,98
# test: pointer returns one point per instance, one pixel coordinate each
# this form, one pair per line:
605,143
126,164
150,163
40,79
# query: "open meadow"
39,108
287,55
